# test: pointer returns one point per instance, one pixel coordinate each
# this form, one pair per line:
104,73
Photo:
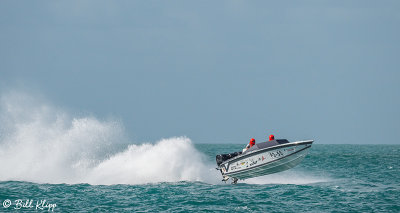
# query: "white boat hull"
263,162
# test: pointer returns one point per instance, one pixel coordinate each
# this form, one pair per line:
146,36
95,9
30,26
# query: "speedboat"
262,159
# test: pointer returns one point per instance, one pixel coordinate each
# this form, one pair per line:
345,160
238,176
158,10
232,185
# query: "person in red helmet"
252,143
271,137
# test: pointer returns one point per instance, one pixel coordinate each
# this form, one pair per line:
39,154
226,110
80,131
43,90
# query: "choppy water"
332,178
85,164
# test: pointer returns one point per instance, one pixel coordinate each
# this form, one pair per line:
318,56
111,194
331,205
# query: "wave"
45,144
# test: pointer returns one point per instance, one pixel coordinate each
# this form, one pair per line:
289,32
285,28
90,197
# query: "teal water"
332,178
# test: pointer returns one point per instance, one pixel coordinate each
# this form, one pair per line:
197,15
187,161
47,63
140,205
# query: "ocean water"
54,161
332,178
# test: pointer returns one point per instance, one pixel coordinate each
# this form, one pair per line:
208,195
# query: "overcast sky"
215,71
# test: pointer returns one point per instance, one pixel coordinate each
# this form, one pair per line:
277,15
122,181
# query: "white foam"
288,177
169,160
41,143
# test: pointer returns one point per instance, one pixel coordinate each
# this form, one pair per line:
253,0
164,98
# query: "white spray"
41,143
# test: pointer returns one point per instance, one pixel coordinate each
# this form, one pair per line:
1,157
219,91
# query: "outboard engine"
223,157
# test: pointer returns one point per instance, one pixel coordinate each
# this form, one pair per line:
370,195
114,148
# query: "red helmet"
271,137
252,141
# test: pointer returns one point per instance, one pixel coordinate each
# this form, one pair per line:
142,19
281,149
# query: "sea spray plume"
169,160
41,143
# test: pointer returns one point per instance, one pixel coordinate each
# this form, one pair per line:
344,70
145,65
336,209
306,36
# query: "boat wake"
288,177
169,160
41,143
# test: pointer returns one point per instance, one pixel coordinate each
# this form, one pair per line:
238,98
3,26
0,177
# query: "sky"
214,71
